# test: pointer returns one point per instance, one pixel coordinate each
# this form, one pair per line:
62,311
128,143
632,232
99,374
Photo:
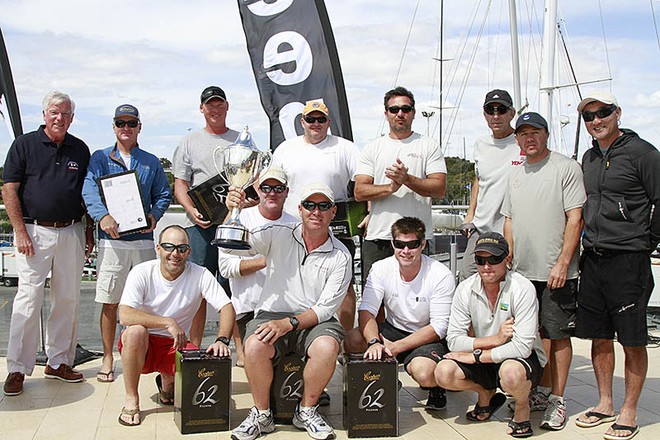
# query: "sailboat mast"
515,57
548,64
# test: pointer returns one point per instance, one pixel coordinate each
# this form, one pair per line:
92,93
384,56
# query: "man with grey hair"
44,173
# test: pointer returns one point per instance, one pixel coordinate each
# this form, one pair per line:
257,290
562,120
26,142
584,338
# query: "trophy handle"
219,169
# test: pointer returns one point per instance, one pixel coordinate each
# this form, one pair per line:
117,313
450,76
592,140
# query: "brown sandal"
131,413
164,397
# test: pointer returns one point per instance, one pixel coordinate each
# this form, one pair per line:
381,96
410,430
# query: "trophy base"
231,237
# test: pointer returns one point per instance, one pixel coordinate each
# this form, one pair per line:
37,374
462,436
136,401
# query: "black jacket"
622,186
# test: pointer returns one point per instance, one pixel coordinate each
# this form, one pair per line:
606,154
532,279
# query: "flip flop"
105,377
131,413
616,427
520,429
164,397
494,404
600,419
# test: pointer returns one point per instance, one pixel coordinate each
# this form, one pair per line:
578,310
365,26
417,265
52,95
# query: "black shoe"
324,399
437,399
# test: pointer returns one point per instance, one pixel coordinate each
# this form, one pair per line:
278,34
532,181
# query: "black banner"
7,91
294,59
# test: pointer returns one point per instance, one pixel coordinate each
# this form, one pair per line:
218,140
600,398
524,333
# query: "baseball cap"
493,243
533,119
212,92
276,173
317,188
127,110
598,95
498,96
316,105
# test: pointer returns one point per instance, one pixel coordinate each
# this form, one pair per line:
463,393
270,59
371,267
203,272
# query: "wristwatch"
477,355
294,323
223,339
374,341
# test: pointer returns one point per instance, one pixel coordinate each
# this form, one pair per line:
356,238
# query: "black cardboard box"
287,388
371,397
202,390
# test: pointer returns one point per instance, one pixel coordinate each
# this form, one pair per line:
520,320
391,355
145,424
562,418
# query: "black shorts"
350,245
615,288
434,351
557,309
487,375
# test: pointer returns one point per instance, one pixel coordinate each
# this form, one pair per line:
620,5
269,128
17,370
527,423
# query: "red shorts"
160,354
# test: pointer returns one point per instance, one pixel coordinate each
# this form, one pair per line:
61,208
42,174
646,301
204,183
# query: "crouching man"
493,337
416,292
157,307
308,272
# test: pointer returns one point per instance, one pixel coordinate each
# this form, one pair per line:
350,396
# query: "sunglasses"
413,244
319,119
121,124
395,109
169,247
492,109
268,188
492,260
311,206
602,113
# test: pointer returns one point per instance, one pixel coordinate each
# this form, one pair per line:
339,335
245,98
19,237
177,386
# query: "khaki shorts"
112,270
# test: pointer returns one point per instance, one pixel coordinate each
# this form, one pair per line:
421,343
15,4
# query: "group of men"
292,293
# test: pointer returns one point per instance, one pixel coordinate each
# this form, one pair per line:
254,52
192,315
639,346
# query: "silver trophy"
241,163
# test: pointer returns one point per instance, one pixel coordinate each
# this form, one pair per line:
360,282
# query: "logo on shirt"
72,165
414,155
504,307
516,183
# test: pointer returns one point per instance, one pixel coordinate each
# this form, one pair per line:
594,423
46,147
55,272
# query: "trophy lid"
245,139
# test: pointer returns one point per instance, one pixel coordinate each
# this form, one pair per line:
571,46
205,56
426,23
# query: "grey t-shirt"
537,198
193,157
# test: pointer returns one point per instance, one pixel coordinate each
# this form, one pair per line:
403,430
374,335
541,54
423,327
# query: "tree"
460,176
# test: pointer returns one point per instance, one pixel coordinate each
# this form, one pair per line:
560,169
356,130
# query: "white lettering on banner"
301,54
274,7
287,118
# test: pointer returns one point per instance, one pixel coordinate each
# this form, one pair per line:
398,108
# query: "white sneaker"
254,425
313,422
554,417
537,402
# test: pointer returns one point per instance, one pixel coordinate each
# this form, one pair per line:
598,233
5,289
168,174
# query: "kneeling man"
157,307
416,292
493,337
308,272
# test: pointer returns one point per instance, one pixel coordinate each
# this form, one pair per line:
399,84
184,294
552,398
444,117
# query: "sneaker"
437,399
313,422
63,373
537,402
14,384
554,417
254,425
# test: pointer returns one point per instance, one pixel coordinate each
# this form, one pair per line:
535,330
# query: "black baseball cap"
498,96
533,119
212,92
493,243
127,110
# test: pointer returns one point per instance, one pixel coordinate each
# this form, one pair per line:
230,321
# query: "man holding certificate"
126,192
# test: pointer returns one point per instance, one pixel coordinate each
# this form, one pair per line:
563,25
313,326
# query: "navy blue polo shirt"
51,177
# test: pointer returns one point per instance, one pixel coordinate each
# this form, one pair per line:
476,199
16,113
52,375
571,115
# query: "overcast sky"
159,55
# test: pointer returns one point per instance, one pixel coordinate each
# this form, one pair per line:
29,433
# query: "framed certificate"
121,195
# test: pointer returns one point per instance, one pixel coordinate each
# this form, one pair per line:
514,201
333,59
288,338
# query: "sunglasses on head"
319,119
492,109
400,244
169,247
268,188
403,108
492,260
602,113
311,206
121,124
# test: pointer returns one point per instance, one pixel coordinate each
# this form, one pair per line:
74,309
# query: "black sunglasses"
311,206
169,247
492,109
396,109
602,113
268,188
120,124
319,119
400,244
492,260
